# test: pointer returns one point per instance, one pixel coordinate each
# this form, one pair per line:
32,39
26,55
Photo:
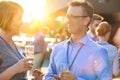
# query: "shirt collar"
83,41
102,42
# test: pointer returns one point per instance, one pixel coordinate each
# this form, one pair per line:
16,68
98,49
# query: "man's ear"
86,20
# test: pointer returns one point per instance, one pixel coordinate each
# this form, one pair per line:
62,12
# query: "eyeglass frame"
73,17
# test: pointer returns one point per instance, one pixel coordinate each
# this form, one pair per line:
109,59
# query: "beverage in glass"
29,53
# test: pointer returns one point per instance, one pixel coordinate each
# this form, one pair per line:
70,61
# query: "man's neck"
77,37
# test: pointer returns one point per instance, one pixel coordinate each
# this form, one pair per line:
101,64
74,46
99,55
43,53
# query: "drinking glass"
29,53
64,67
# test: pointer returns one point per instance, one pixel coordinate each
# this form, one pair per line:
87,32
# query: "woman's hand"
20,66
23,65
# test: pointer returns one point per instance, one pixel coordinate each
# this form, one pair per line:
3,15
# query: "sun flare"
33,9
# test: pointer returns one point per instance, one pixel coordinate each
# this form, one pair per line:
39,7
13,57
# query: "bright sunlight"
34,9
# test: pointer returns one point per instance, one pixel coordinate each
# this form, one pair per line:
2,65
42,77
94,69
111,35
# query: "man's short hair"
88,8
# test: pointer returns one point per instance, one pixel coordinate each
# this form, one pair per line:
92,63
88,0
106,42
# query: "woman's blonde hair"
8,9
103,28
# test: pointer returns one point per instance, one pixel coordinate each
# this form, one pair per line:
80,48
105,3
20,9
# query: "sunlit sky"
33,9
39,9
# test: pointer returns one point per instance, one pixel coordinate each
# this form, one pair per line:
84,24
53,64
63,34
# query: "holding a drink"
29,53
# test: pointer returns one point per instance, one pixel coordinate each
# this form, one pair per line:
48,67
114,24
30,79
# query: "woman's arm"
21,66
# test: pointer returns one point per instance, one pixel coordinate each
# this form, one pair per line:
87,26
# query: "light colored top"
113,56
91,63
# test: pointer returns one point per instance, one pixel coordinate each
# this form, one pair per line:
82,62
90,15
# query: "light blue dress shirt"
92,36
113,56
91,63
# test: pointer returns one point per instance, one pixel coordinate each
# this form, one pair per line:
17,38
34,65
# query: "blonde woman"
13,66
103,32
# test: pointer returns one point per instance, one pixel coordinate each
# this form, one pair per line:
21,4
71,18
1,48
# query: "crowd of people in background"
88,50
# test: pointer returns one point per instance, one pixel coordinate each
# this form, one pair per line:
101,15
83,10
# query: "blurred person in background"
115,37
93,25
13,66
103,32
40,47
79,57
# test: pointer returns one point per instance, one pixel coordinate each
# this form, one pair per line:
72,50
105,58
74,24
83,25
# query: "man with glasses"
96,20
79,58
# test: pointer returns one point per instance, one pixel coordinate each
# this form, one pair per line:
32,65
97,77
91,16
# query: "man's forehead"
75,10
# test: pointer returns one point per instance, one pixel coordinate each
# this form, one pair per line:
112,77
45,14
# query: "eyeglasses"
73,17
